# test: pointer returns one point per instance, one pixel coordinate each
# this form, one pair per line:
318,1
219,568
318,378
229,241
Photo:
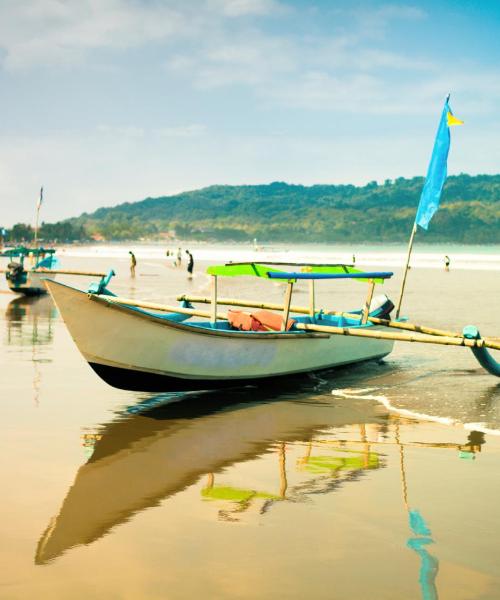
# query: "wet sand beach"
378,481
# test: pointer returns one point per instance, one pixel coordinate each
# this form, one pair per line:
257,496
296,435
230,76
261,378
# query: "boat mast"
407,266
37,215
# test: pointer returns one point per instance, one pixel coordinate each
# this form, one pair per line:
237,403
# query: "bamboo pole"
410,246
312,308
389,335
155,306
244,303
381,335
213,311
305,311
58,272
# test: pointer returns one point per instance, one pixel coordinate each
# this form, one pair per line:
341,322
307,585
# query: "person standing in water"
133,263
446,263
179,257
190,266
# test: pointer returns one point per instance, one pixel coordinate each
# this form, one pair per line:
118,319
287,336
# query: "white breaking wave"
365,394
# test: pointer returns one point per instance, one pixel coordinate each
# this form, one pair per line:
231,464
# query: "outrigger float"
155,347
28,267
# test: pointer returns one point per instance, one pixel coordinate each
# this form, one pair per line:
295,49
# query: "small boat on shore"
26,268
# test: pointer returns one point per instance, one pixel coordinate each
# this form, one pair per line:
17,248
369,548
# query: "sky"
111,101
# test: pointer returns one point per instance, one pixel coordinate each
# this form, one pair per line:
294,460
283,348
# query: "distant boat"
26,268
133,348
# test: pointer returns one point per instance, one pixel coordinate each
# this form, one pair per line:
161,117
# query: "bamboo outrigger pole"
304,310
332,330
62,272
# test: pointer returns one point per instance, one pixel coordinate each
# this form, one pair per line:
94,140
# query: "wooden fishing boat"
26,268
133,346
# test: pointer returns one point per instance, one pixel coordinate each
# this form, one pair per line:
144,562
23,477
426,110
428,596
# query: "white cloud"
52,32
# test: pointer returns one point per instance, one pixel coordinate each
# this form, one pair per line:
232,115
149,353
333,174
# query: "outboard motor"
381,307
14,271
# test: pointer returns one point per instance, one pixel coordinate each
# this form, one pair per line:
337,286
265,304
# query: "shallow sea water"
377,481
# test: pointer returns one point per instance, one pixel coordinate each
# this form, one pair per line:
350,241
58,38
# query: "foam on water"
368,394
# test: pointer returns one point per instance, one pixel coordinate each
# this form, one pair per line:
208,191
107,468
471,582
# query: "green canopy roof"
263,270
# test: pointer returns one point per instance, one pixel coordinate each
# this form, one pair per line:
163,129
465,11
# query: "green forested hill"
469,213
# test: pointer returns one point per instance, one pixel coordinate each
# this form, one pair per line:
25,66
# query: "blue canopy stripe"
365,275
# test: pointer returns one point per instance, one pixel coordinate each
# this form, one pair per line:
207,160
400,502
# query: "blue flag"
436,173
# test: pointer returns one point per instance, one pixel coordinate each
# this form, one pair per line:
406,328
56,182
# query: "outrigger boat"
27,279
154,347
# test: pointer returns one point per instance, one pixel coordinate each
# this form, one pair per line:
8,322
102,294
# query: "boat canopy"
307,271
23,251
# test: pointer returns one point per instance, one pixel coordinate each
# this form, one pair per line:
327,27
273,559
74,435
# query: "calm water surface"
324,487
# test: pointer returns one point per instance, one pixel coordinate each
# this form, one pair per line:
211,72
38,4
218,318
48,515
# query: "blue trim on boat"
294,275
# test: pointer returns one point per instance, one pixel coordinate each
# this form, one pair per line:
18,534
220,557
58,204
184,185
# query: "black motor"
14,271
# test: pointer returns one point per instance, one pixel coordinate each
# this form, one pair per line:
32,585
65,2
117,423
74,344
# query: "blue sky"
107,101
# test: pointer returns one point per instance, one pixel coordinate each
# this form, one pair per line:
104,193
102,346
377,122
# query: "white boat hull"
132,349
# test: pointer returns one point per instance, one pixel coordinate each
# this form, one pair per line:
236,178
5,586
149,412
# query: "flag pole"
410,246
434,182
38,205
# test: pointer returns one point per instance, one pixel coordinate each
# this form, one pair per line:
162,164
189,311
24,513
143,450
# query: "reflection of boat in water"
142,459
29,320
29,323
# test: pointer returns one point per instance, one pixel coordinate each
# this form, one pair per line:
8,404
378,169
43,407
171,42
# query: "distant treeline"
469,213
63,231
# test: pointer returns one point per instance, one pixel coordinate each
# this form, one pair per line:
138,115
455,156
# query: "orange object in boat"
244,321
270,320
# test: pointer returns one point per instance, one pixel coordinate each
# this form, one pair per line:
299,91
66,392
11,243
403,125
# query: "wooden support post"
366,308
286,307
213,311
312,308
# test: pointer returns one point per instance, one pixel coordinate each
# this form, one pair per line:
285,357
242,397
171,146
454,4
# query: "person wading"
133,263
190,266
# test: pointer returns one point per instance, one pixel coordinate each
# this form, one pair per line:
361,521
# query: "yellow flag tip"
452,120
